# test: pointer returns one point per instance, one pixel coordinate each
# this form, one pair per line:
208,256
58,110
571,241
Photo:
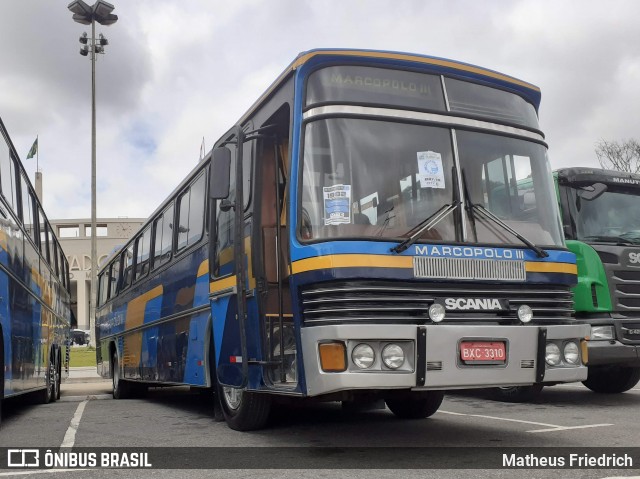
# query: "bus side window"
114,276
163,230
127,261
191,214
143,245
7,176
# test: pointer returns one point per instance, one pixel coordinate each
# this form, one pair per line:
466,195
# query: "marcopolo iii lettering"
474,304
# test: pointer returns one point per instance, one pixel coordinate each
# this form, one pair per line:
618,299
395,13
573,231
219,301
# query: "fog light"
552,354
600,333
393,356
363,356
571,353
525,313
436,312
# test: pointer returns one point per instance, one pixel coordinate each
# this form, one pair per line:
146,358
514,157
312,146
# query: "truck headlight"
571,353
601,333
363,356
552,354
393,356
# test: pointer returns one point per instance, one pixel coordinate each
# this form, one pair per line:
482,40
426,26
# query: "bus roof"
434,64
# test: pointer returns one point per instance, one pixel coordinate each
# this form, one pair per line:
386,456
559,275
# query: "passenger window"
163,228
28,219
191,214
143,245
7,175
113,278
127,261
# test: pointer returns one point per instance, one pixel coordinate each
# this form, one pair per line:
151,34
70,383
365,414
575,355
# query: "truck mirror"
219,173
592,192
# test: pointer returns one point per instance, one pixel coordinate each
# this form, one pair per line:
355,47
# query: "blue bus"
35,312
342,242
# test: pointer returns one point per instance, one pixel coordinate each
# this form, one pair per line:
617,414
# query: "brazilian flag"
34,149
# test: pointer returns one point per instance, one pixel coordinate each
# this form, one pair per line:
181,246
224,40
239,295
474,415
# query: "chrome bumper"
437,357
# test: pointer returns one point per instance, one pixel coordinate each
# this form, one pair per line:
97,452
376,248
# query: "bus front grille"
408,302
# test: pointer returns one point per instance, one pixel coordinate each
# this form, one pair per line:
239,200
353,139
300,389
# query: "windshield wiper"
425,225
489,215
619,240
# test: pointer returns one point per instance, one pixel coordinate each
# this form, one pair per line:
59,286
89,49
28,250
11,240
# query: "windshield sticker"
337,204
430,170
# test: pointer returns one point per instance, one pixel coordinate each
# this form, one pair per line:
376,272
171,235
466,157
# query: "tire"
612,380
48,394
59,374
415,405
244,411
120,387
516,394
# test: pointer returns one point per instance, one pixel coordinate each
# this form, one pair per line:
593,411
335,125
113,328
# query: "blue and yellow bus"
34,287
343,241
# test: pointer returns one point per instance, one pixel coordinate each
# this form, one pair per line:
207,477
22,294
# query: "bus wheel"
55,379
417,405
516,393
612,380
59,374
244,411
48,393
120,386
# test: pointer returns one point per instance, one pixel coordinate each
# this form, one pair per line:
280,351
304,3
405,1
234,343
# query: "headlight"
436,312
393,356
363,356
571,353
552,354
599,333
525,313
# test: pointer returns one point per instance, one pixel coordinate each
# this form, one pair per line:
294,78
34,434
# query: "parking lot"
562,416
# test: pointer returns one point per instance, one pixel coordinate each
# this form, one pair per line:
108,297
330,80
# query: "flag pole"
37,154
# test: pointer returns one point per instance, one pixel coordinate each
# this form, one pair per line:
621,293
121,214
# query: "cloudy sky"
178,71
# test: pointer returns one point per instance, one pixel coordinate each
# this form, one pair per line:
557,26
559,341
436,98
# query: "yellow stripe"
203,268
382,261
224,283
351,261
134,318
542,267
418,59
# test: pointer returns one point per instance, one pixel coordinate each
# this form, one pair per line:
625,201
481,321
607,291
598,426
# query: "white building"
75,239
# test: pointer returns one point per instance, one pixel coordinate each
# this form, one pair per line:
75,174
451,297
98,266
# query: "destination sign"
375,85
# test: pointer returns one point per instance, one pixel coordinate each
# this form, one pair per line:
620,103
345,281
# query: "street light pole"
88,15
94,246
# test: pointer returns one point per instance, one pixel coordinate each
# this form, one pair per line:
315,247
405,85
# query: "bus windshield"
380,179
610,217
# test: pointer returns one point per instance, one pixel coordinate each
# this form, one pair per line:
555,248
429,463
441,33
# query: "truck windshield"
611,217
365,178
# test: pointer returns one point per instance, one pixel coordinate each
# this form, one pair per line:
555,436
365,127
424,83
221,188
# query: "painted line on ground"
90,397
549,427
43,471
70,436
500,419
566,428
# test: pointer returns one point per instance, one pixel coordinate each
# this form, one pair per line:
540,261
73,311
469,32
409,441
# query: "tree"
620,156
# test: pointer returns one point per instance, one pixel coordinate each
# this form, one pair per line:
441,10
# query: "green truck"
600,212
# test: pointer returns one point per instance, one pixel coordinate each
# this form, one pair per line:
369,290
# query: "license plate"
483,352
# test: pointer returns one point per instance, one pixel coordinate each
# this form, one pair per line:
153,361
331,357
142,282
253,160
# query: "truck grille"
627,289
408,302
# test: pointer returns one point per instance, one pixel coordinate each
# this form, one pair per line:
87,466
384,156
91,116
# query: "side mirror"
592,192
219,173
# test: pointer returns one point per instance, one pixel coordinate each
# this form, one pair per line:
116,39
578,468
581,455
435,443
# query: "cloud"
174,73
